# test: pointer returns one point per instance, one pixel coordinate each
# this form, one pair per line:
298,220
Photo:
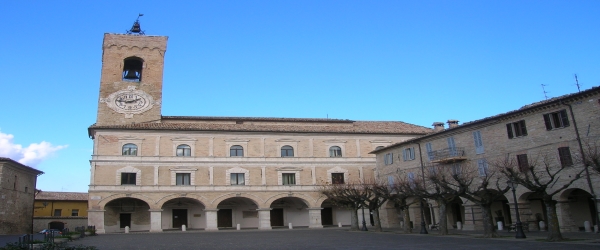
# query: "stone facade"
153,172
556,128
17,183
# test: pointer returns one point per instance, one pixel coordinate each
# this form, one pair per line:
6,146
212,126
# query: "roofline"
528,107
233,118
21,165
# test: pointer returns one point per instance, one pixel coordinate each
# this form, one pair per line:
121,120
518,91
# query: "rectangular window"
238,179
482,167
57,212
429,151
182,179
557,119
564,153
478,142
75,212
452,146
516,129
456,169
391,181
408,154
337,178
388,158
288,179
127,178
411,179
523,162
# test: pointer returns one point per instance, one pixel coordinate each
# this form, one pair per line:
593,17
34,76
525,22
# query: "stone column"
473,219
264,218
314,215
155,220
211,219
565,220
96,218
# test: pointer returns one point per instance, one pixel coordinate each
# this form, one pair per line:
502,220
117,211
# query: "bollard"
238,227
542,225
339,224
183,228
290,225
500,226
587,226
459,225
595,228
126,229
402,224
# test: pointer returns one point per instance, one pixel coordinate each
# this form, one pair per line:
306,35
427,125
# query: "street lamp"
364,227
520,234
423,227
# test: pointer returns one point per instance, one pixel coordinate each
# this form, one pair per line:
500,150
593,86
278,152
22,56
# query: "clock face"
130,101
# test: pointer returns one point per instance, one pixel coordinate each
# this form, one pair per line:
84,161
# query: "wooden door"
125,220
277,217
327,216
224,218
179,218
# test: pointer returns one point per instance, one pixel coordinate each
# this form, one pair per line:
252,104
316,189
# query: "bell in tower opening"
132,69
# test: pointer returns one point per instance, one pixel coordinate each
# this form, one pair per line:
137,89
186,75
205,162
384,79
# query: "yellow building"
58,210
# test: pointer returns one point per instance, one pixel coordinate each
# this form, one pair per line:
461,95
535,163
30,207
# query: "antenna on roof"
577,83
544,89
136,28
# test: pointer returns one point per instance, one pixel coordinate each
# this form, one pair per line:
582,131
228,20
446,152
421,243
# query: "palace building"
152,172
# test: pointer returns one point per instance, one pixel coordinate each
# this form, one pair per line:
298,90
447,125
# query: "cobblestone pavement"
329,238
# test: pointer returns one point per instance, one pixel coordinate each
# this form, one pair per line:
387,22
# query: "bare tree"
481,188
399,194
591,154
432,188
348,195
540,175
376,193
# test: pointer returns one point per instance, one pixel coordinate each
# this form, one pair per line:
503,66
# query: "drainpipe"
587,173
423,228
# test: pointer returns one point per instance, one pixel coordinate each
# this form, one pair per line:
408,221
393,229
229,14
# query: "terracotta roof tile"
62,196
327,126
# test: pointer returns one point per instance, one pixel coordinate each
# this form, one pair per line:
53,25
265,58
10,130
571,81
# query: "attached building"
17,183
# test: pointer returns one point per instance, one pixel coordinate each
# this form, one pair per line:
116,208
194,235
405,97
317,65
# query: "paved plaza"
329,238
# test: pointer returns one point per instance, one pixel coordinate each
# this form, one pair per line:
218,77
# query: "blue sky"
413,61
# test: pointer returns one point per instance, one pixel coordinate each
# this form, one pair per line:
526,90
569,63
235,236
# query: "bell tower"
131,77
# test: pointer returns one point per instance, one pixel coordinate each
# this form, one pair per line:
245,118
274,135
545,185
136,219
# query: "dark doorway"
224,218
326,216
277,217
179,218
56,225
125,220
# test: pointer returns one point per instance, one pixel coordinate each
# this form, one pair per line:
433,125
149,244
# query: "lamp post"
423,227
520,234
364,226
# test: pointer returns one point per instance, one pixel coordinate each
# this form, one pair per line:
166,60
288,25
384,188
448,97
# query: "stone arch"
307,199
160,202
141,197
215,202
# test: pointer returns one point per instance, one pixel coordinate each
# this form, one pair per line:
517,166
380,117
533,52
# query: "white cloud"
31,155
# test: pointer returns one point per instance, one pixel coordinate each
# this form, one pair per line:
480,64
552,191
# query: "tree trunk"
553,226
443,219
354,219
489,231
407,227
376,220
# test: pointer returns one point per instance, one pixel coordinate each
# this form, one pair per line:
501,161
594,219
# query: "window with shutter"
556,120
478,142
452,146
516,129
523,162
429,151
482,167
564,154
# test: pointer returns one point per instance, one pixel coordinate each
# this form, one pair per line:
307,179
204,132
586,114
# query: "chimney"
438,126
452,123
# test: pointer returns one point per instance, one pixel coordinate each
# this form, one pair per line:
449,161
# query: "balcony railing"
448,155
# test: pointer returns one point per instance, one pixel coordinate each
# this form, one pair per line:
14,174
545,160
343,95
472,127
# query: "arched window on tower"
130,149
287,151
335,151
184,150
236,150
132,69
